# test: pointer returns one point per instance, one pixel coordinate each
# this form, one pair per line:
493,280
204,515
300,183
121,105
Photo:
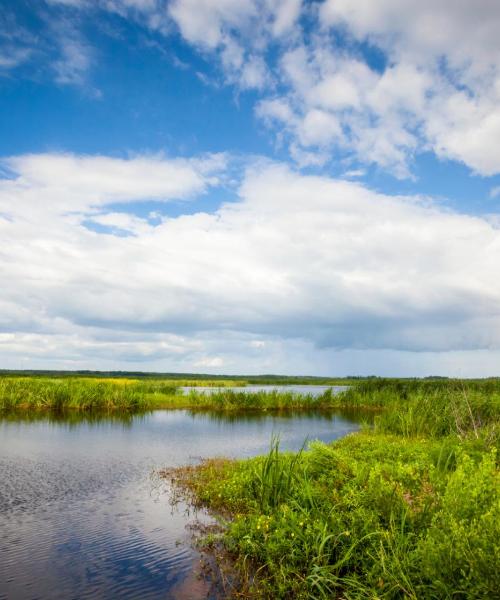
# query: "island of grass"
38,391
409,508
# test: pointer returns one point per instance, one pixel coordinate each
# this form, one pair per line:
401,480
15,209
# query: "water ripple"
81,517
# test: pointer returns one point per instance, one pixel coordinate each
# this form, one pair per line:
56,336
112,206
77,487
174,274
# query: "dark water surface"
82,514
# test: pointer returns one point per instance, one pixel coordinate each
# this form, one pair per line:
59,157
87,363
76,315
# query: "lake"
83,513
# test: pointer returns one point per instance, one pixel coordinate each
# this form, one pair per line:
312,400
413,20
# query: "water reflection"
69,418
80,514
355,415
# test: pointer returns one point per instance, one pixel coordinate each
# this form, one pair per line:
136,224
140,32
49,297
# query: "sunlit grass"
407,509
85,393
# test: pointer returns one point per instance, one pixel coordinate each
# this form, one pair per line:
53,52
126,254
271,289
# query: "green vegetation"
187,378
80,393
407,509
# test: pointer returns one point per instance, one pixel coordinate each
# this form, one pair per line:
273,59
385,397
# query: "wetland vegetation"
126,394
407,508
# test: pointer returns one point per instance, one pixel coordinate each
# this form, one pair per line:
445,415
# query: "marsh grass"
79,393
409,508
82,394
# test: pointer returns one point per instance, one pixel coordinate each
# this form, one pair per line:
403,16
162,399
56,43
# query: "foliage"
133,394
407,509
83,394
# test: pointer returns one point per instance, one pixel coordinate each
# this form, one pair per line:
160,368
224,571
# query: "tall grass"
82,394
274,477
133,394
235,400
431,408
407,509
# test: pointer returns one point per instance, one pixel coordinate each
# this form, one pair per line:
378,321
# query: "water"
82,514
312,390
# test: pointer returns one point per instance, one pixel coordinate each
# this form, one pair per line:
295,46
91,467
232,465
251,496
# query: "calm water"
82,514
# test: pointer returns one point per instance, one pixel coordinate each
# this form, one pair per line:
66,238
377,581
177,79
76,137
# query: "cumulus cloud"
439,88
408,77
313,262
68,182
238,32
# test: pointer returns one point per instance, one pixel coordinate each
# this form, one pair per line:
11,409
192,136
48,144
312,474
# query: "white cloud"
238,32
436,87
210,362
73,63
254,74
319,128
320,265
67,182
462,31
13,57
206,22
444,65
439,89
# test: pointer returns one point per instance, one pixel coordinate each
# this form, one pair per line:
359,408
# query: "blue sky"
249,186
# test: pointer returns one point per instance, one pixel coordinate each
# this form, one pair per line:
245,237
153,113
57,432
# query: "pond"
82,514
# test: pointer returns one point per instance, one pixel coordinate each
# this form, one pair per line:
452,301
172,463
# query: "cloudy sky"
250,186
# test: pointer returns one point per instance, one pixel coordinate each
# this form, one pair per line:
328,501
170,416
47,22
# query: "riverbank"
135,395
407,509
122,394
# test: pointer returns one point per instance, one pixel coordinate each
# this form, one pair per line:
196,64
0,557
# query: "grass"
94,393
191,378
407,509
81,394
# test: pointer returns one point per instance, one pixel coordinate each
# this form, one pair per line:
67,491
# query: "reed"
409,508
79,393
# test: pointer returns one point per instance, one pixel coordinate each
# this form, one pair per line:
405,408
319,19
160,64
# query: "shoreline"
408,509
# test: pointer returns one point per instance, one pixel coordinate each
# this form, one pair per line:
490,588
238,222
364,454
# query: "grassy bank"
420,398
192,378
408,509
33,393
76,393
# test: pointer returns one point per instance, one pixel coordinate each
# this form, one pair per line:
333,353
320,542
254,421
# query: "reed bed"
409,508
81,394
78,393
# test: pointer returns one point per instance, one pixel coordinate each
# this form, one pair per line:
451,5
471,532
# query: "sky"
250,186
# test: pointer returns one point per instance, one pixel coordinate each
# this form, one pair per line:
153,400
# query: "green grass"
191,378
407,509
81,394
78,393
